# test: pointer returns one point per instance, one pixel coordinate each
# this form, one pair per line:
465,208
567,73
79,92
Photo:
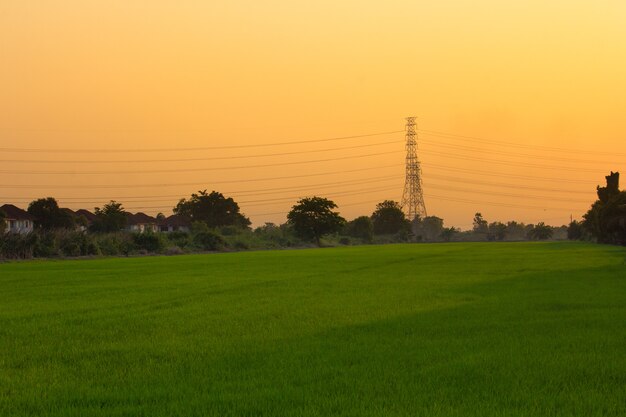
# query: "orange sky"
139,75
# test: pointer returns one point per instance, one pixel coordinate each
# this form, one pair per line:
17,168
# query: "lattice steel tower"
413,196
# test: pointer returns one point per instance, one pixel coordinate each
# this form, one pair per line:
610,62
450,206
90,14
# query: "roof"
15,213
140,218
175,220
86,214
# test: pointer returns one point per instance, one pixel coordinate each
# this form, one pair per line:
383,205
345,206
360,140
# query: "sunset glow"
520,105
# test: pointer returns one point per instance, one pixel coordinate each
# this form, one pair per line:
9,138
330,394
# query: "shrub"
272,236
44,244
70,247
229,230
208,240
149,242
17,246
115,243
241,245
180,239
174,250
361,227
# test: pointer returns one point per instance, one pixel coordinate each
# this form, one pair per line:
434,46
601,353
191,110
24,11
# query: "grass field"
519,329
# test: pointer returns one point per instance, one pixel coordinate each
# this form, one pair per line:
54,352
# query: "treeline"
215,223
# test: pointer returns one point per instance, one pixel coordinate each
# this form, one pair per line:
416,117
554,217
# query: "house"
140,222
84,219
17,220
174,223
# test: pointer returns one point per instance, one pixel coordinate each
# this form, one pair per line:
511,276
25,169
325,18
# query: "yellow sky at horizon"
157,74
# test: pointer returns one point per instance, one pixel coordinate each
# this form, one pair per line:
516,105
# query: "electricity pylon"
413,195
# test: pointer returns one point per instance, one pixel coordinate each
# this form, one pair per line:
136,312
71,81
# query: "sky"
520,105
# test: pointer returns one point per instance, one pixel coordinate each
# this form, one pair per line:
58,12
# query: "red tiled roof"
15,213
89,216
174,220
140,218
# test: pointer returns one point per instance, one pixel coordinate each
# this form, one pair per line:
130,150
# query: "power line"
195,184
93,161
529,196
492,174
433,196
491,203
274,200
179,170
513,163
506,185
244,193
201,184
266,191
257,192
515,145
515,154
369,190
164,171
202,148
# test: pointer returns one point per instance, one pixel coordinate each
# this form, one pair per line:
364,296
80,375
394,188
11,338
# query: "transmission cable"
116,161
200,148
165,171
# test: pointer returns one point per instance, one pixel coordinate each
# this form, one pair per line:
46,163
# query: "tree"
49,216
480,224
211,208
497,230
606,219
540,232
388,218
429,228
575,231
3,223
314,217
361,228
515,230
448,233
110,218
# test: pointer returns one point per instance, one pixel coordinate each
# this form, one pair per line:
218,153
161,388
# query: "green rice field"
460,329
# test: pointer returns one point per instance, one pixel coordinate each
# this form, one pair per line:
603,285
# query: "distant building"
140,223
84,219
17,220
174,223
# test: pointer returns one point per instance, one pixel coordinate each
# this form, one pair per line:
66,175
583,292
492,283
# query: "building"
174,223
140,223
17,220
84,219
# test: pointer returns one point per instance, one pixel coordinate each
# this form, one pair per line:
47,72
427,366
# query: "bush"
174,250
44,244
361,227
241,245
115,243
229,230
17,246
70,247
180,239
208,240
272,236
149,242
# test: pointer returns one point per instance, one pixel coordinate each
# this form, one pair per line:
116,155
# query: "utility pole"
413,196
